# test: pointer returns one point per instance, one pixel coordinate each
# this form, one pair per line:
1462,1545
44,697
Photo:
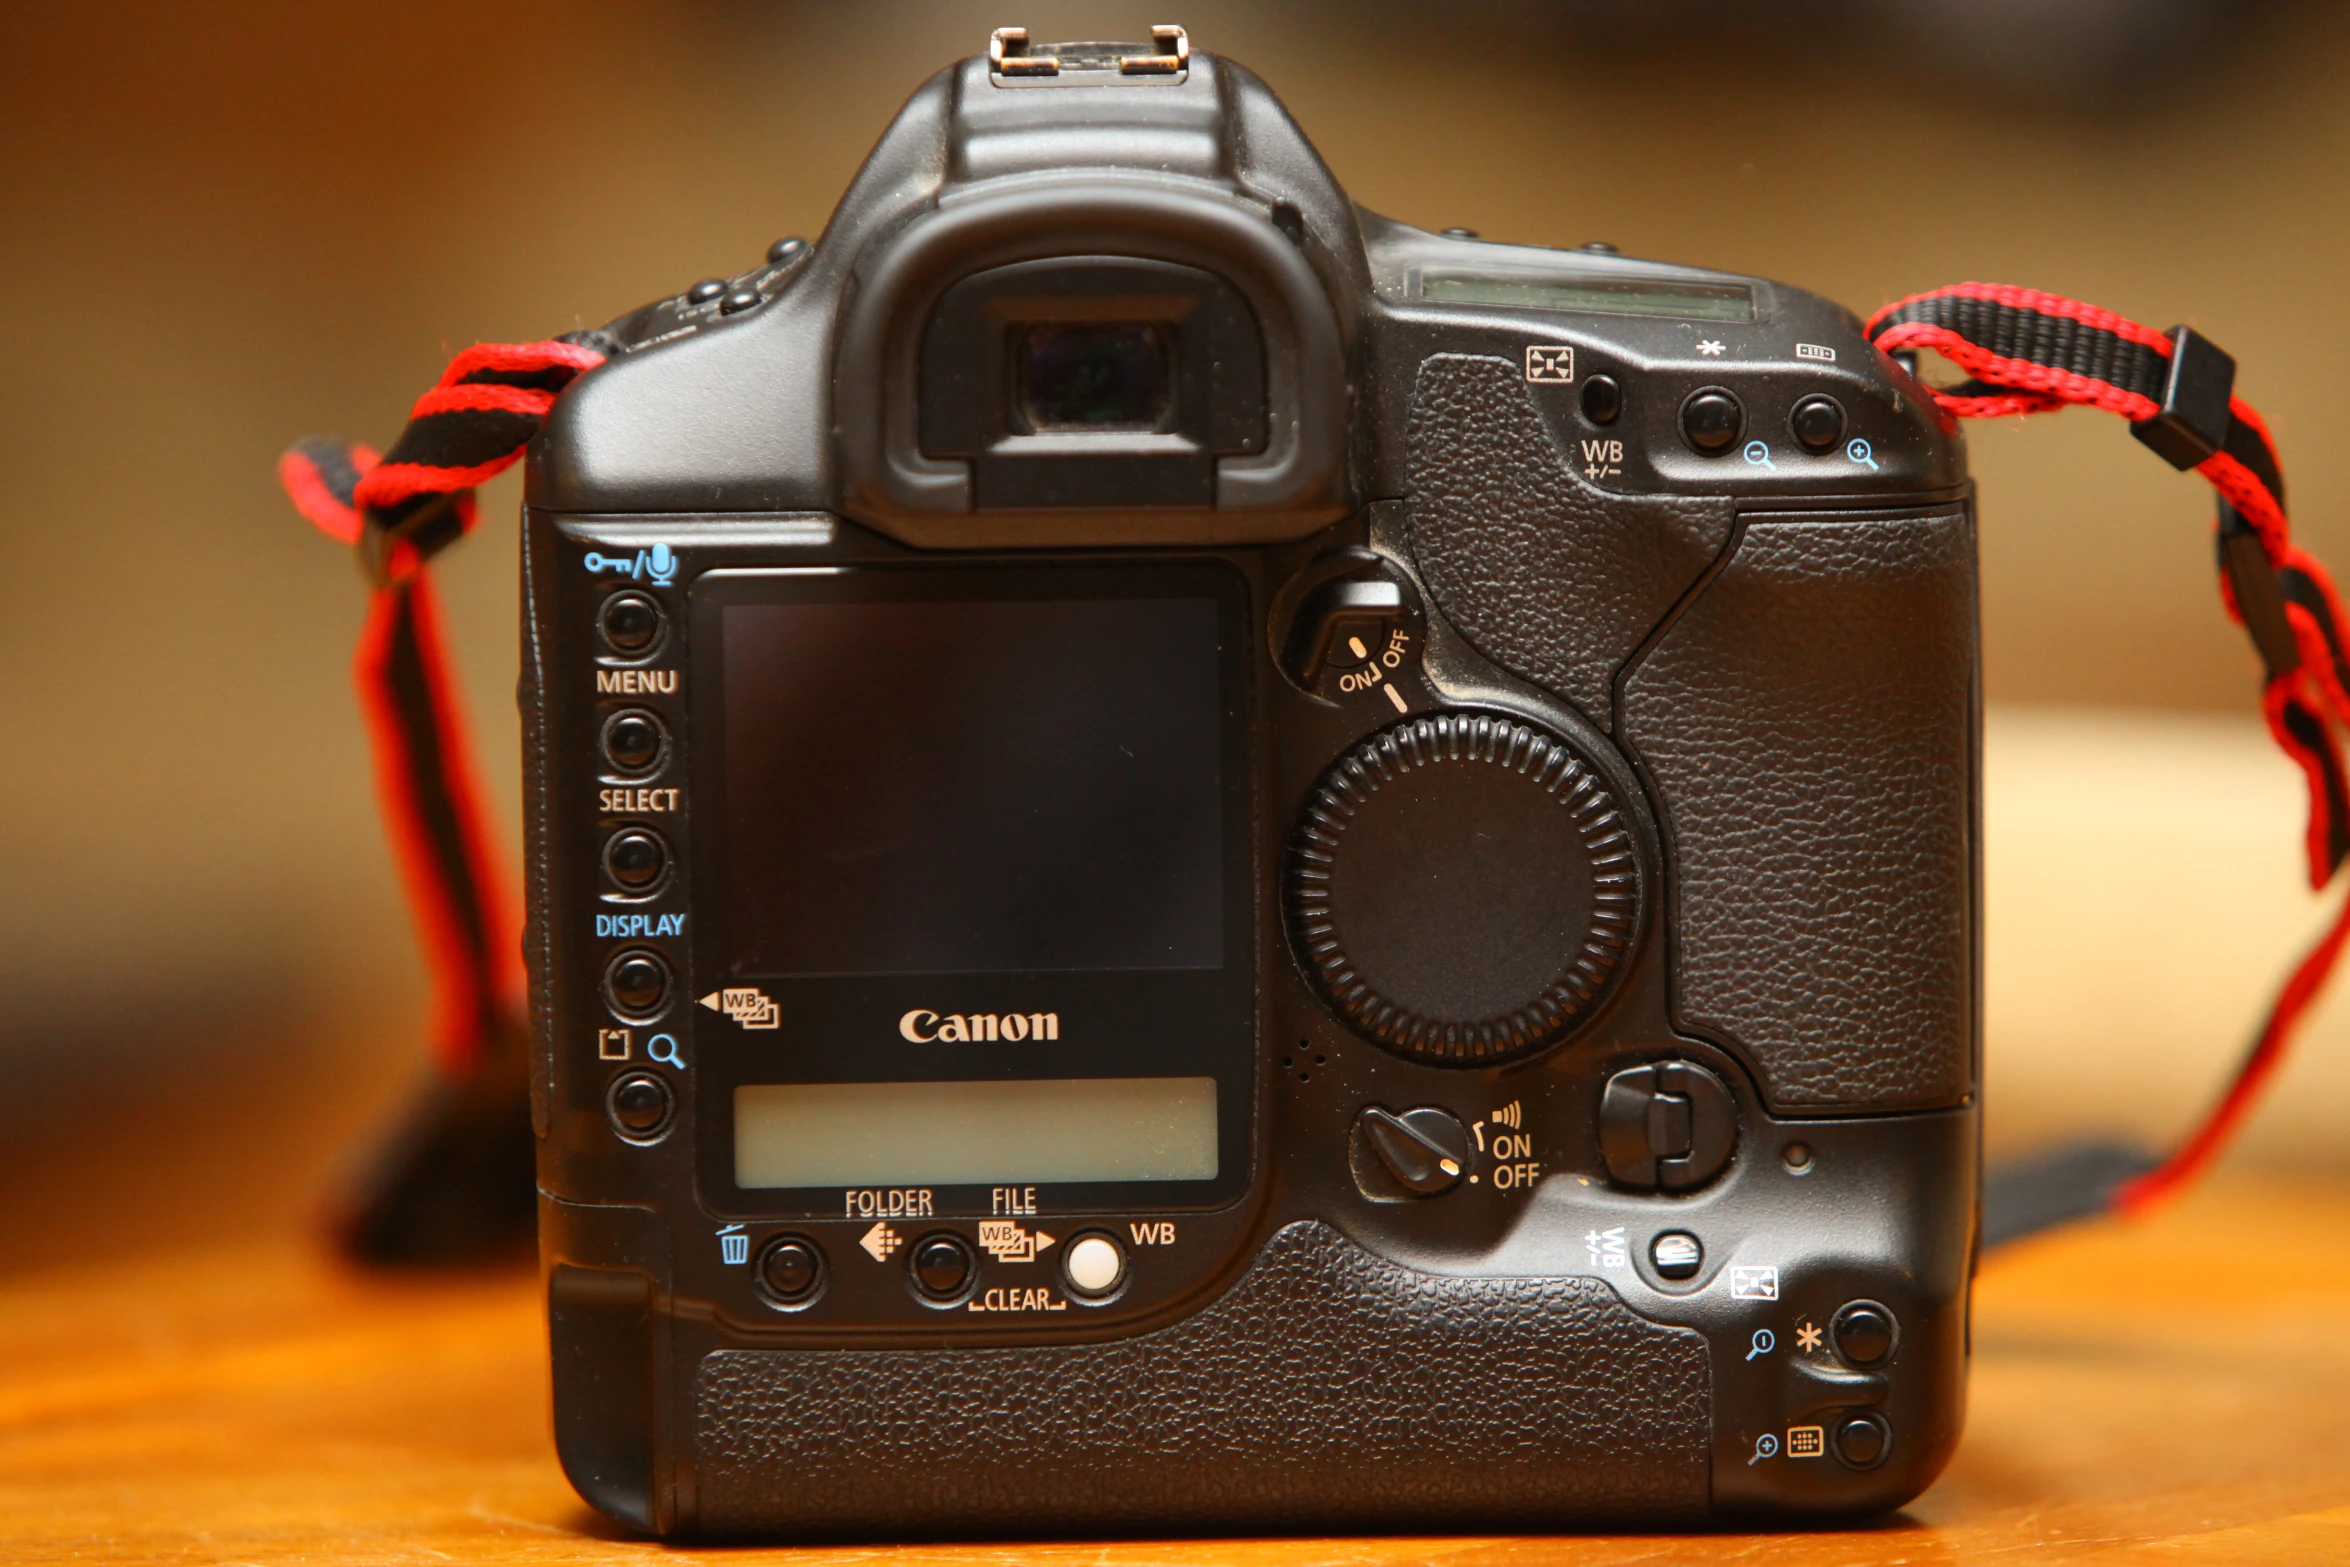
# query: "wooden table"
2174,1391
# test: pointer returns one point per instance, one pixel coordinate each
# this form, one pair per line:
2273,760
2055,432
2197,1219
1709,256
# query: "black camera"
1200,861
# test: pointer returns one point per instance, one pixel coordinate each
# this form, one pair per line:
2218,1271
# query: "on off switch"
1347,617
1425,1151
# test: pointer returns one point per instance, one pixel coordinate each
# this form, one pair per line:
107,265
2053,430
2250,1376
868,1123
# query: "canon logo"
925,1028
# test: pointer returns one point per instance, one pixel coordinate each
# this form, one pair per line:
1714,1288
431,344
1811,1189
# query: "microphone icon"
661,565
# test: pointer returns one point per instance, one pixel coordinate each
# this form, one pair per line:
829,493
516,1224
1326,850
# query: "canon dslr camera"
1204,862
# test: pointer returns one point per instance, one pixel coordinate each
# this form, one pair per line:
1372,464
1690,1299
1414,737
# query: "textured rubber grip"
1329,1389
1809,722
1554,579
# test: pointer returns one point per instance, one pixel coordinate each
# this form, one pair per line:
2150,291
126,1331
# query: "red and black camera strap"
457,1181
2025,353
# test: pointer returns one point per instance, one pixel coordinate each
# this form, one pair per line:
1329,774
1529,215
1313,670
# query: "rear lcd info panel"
975,1133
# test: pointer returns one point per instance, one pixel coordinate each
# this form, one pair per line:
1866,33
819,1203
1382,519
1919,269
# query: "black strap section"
2246,444
2259,593
464,438
408,682
2057,342
2309,734
2298,588
2040,1193
426,523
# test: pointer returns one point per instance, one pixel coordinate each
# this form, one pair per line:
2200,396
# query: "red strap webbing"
398,511
2029,352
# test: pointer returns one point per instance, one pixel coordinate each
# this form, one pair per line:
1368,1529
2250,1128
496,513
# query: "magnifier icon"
1764,1340
654,1047
1760,455
1860,451
1765,1446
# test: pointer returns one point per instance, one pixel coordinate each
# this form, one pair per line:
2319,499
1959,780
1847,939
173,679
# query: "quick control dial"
1463,888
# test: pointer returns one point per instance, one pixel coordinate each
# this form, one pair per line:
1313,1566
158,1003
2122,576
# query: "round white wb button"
1094,1265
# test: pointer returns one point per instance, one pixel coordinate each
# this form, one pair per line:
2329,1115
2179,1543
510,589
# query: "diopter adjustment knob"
1464,888
1668,1127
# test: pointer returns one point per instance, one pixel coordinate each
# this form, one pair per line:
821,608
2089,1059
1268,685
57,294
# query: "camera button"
634,741
791,1270
1862,1441
1817,423
1712,420
636,859
705,291
640,1105
631,624
1094,1265
941,1268
1863,1332
636,985
1603,399
1676,1255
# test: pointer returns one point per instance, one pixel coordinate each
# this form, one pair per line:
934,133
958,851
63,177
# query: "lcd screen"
963,785
975,1133
1613,296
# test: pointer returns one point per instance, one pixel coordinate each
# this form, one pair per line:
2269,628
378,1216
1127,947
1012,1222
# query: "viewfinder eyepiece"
1093,375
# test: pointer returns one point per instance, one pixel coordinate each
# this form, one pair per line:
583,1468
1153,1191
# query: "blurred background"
222,227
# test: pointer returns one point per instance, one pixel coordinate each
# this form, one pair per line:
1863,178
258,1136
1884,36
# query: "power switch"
1342,625
1352,609
1424,1151
1667,1127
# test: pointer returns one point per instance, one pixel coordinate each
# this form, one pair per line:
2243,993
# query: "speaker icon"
1508,1115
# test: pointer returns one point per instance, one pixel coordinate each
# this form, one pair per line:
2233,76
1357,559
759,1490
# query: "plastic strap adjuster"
2195,417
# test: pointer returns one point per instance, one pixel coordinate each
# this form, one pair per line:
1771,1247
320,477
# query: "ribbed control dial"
1464,888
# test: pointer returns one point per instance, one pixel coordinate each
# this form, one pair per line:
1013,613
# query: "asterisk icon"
1711,349
1807,1338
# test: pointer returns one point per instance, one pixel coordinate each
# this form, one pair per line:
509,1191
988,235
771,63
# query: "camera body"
1203,862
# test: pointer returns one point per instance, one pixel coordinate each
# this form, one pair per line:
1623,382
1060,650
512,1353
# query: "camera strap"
2024,352
456,1179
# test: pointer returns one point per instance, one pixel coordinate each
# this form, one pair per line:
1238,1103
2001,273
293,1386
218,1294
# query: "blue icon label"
640,924
657,565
